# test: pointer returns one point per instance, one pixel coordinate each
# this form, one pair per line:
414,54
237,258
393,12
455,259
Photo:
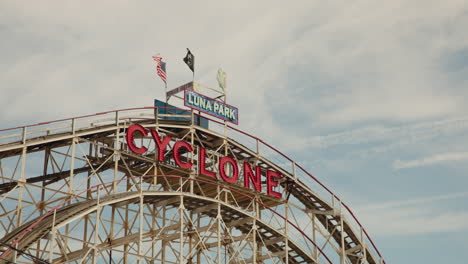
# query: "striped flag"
160,68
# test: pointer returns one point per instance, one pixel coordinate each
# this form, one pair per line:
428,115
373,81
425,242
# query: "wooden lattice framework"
72,192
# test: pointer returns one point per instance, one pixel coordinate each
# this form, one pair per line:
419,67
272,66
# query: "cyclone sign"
251,175
211,106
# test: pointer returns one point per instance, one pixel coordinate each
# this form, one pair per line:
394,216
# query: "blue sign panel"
211,106
165,109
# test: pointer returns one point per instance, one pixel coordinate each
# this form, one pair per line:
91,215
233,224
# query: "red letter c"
130,137
177,146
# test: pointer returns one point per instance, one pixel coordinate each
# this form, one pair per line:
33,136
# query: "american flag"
160,68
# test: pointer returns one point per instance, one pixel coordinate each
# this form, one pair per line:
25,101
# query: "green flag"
221,79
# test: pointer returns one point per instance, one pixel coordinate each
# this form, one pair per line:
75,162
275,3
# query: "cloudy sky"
370,96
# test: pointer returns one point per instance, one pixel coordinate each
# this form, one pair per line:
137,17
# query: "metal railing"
71,125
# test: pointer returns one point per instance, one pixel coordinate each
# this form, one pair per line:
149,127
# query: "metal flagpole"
198,120
225,101
167,99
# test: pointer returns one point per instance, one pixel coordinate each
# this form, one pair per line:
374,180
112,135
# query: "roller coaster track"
338,223
231,216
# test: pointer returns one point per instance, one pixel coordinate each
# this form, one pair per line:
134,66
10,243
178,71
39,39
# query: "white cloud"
412,202
380,62
383,138
415,216
410,221
370,55
431,160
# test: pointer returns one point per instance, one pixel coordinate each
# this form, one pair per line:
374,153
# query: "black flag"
190,60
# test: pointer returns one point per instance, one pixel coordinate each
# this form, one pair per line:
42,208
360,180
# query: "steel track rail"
328,214
70,213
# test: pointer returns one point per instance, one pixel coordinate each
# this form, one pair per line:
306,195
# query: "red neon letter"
272,182
130,137
177,146
222,169
161,145
249,175
202,163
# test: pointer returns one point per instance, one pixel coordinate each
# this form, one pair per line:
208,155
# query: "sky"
369,96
